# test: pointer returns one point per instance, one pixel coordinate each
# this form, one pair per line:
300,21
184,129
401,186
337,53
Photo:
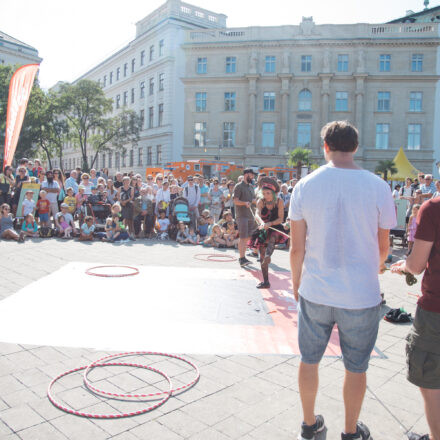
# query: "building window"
200,134
385,63
158,154
342,63
151,87
229,134
231,64
383,101
111,78
415,101
118,160
118,73
382,136
151,56
142,89
105,80
269,65
269,101
161,81
132,95
268,134
142,57
161,47
414,136
149,156
304,135
118,101
150,117
202,65
200,101
160,115
417,62
133,63
130,159
305,100
306,63
341,104
125,69
142,117
110,160
230,102
140,156
125,98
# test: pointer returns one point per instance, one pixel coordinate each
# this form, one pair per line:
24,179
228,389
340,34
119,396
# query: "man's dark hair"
340,136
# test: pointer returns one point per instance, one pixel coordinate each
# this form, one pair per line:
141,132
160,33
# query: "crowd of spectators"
123,207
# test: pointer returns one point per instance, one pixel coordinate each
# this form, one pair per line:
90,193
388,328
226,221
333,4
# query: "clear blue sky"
73,36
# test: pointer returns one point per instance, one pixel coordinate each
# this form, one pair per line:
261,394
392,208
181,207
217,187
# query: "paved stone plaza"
238,396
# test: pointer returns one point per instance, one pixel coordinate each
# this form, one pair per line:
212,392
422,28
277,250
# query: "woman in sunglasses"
7,231
21,177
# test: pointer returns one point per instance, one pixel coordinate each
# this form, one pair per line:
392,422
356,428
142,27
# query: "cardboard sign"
35,188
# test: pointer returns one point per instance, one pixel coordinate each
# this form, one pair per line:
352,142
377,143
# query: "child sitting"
87,229
195,238
216,238
163,225
29,226
70,201
118,232
64,226
202,229
43,207
231,235
28,203
182,233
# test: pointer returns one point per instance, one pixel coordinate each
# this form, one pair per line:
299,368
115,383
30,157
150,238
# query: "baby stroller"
179,212
100,211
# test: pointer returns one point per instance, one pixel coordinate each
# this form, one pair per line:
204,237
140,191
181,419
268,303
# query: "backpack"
46,232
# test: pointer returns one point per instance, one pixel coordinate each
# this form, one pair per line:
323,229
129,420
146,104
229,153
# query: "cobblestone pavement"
238,397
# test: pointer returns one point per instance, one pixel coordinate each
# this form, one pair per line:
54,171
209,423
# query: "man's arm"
383,236
298,231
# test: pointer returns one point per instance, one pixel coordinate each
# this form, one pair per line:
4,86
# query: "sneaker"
252,254
244,262
362,433
413,436
309,432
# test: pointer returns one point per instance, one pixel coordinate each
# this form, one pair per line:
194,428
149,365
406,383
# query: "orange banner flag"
19,90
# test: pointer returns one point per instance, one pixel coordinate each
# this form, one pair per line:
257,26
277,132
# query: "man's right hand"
248,204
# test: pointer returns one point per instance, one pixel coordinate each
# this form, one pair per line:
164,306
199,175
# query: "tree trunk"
385,175
298,169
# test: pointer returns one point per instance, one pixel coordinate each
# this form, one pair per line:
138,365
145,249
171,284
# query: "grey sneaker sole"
300,437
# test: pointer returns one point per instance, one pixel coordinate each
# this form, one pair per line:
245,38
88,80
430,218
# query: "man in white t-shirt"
339,243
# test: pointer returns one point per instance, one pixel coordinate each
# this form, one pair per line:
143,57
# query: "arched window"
305,100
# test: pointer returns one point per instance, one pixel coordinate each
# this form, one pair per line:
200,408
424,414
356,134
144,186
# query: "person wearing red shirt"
423,341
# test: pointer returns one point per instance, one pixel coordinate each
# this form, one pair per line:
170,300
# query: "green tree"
92,129
384,167
298,158
45,126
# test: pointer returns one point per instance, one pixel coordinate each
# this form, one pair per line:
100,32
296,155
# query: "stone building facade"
253,94
13,51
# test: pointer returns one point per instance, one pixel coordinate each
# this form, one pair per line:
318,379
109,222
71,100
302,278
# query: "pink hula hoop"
219,258
90,271
108,416
101,362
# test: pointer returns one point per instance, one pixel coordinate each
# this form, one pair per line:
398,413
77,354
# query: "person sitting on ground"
231,234
195,238
43,207
226,218
87,229
64,227
7,230
163,225
202,229
28,203
70,201
119,232
182,233
216,237
29,226
68,218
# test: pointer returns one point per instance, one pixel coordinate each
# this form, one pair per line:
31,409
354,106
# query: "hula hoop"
100,362
134,269
108,416
219,258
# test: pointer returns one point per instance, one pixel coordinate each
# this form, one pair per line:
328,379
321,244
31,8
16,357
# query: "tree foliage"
298,158
92,128
384,167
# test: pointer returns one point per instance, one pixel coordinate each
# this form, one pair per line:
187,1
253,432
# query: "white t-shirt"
29,206
343,209
51,196
163,223
396,195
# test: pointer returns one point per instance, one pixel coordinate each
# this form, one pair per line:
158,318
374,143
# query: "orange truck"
282,173
191,167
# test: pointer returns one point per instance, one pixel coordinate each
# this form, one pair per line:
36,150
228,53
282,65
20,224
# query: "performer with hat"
269,216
